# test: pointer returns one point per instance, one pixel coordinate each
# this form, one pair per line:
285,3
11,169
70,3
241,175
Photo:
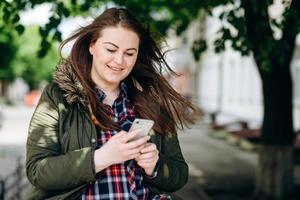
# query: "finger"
129,157
150,160
130,135
149,148
148,155
119,134
138,143
133,156
134,151
146,164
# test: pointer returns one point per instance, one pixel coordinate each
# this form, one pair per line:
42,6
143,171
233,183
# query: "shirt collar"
123,92
123,89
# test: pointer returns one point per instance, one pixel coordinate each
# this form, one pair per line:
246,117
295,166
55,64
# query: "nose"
119,58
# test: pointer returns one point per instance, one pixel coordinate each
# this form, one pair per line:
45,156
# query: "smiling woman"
114,55
79,144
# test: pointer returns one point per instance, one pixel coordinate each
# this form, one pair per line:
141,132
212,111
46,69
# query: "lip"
118,69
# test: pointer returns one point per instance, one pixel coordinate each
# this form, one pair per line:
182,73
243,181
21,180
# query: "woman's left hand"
148,158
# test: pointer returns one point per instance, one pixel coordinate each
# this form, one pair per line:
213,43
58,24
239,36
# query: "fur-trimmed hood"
67,81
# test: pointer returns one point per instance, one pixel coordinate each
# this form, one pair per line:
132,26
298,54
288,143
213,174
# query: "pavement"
13,135
218,170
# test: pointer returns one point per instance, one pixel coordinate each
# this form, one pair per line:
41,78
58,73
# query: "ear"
91,48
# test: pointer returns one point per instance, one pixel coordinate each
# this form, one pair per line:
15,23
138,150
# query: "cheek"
101,56
131,62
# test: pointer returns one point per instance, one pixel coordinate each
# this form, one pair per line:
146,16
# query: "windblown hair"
155,100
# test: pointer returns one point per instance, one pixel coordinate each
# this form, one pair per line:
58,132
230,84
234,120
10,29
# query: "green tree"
273,59
27,64
8,49
253,34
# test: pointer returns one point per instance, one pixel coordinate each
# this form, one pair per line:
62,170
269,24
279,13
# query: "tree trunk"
274,173
3,88
273,58
275,166
277,126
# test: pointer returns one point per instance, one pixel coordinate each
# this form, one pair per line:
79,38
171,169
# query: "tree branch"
257,20
258,33
290,31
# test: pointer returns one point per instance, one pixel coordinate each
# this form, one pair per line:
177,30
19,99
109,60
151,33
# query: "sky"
40,16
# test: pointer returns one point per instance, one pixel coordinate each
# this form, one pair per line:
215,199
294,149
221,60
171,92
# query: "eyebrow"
118,47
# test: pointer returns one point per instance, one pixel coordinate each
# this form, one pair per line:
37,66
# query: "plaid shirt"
124,180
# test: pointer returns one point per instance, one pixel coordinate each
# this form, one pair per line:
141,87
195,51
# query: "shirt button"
93,140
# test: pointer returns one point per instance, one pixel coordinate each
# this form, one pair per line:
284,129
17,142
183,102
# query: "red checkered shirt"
119,181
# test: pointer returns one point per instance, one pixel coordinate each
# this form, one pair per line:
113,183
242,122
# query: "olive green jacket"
62,141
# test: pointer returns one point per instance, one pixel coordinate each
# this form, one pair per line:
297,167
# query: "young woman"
79,146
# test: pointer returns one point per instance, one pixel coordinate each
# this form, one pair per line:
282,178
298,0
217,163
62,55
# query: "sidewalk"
13,135
218,170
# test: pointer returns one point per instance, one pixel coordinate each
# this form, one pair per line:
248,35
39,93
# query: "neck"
110,90
106,87
111,93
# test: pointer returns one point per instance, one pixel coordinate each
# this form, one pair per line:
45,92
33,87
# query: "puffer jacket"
62,140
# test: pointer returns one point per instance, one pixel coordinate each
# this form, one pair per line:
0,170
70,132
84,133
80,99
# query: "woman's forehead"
119,36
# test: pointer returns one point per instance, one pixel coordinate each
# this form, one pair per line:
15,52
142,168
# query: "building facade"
228,83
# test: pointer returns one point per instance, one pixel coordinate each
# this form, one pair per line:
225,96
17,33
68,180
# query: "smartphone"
144,124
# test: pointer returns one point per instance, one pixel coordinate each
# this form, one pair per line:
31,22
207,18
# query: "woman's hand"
148,158
119,149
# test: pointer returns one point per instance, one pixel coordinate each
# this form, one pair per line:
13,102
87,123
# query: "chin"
114,81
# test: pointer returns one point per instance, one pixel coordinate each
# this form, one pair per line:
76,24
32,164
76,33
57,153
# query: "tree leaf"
20,29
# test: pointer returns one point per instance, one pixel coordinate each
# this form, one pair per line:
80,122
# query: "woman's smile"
115,69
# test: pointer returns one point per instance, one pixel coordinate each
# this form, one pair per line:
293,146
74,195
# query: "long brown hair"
155,99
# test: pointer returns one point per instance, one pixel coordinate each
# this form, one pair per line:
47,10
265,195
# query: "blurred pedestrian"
79,144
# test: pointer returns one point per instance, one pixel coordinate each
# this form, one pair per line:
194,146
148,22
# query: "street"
13,136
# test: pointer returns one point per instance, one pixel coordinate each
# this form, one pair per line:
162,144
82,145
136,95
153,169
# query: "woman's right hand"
119,149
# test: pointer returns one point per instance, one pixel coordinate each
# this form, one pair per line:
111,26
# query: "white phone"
144,124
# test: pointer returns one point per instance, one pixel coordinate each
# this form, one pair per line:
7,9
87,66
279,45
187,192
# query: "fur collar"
67,81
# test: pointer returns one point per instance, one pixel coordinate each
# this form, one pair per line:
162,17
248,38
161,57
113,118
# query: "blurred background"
238,60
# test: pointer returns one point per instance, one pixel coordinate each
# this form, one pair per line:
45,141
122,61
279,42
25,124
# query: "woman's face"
114,55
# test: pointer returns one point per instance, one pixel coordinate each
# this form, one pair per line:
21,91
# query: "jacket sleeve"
172,171
46,167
